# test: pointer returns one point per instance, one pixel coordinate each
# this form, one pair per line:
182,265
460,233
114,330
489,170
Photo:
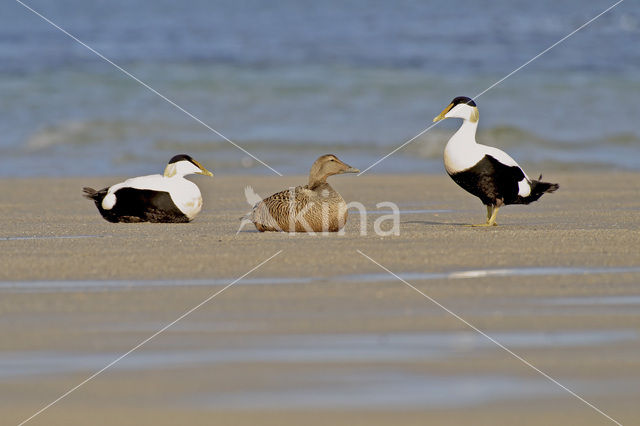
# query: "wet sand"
320,334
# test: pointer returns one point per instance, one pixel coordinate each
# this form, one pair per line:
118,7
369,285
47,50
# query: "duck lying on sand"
315,207
155,198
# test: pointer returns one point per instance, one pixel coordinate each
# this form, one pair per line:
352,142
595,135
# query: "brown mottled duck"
315,207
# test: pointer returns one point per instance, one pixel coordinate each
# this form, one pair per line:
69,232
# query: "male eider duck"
168,198
315,207
486,172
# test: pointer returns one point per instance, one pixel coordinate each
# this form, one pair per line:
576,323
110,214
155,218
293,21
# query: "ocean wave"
130,147
92,132
431,144
163,136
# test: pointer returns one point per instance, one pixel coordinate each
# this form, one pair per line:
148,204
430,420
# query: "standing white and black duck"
486,172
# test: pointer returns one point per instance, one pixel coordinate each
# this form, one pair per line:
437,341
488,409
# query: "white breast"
457,159
462,152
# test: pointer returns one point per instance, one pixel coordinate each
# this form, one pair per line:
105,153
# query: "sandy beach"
320,334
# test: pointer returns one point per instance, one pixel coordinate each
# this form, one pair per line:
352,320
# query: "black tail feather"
537,189
541,187
90,193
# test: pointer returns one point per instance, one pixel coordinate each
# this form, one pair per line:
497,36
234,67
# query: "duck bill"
443,113
350,169
202,171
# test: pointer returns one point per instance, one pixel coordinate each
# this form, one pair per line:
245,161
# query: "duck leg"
492,220
492,212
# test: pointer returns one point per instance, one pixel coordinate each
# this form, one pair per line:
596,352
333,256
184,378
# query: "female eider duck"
486,172
168,198
315,207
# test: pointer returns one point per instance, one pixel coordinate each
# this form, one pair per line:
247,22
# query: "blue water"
290,80
111,285
382,381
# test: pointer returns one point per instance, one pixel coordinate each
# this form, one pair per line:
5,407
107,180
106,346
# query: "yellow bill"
443,113
202,171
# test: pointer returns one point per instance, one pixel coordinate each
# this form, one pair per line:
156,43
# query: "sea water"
289,80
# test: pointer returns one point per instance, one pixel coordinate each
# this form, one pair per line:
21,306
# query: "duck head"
182,165
460,107
328,165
